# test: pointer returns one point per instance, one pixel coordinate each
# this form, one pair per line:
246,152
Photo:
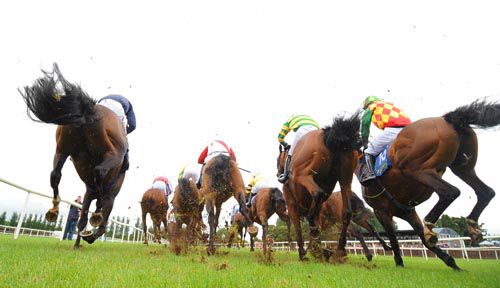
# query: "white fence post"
21,217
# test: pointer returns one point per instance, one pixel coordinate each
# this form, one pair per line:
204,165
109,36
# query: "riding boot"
125,164
368,173
198,184
249,202
283,177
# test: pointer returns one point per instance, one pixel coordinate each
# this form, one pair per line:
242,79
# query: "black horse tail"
480,113
54,100
220,171
277,195
343,134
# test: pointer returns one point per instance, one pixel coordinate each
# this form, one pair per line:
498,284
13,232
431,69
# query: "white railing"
135,237
412,248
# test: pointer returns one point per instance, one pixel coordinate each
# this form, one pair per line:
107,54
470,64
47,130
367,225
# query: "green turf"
39,262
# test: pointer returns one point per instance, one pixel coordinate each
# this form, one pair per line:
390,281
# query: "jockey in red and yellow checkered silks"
382,114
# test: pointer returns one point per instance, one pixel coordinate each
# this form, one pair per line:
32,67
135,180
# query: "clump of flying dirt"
178,244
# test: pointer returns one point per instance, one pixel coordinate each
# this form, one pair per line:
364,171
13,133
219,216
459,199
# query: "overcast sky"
239,69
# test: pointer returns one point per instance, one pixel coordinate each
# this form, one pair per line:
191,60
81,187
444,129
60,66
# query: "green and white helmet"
369,100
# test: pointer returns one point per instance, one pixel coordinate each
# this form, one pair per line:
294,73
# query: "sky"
194,70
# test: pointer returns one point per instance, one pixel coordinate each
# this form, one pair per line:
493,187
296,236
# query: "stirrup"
282,178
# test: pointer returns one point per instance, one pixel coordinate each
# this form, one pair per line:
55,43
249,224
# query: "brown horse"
155,203
320,160
188,206
267,202
94,138
420,155
331,213
221,180
237,226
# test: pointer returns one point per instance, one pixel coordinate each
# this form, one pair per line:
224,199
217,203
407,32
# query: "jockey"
385,116
189,172
214,148
254,186
123,108
162,184
234,211
301,125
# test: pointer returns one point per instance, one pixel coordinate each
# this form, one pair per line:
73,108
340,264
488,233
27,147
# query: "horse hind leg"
484,196
144,227
447,194
413,219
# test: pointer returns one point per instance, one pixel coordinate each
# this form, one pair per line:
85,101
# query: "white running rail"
135,237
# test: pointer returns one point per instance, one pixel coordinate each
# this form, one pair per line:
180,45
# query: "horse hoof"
96,219
369,257
89,239
86,233
51,216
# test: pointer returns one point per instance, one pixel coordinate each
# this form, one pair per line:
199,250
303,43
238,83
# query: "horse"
155,203
188,206
331,213
321,159
237,226
94,138
221,180
420,155
267,202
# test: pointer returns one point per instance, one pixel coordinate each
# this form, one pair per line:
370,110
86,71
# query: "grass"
41,262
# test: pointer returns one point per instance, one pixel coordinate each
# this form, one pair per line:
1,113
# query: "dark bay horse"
331,213
188,206
321,159
155,203
267,202
94,138
420,155
221,180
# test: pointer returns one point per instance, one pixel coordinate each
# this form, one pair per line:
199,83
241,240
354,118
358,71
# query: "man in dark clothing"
72,220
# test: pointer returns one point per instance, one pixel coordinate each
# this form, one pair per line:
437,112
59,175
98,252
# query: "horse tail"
343,134
480,113
220,170
277,195
54,100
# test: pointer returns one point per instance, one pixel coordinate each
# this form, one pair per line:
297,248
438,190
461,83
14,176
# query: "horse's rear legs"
447,194
82,222
484,196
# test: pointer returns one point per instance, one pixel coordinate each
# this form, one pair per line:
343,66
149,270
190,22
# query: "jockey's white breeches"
381,141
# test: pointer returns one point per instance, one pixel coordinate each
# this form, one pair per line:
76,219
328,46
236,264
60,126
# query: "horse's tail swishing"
54,100
480,114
